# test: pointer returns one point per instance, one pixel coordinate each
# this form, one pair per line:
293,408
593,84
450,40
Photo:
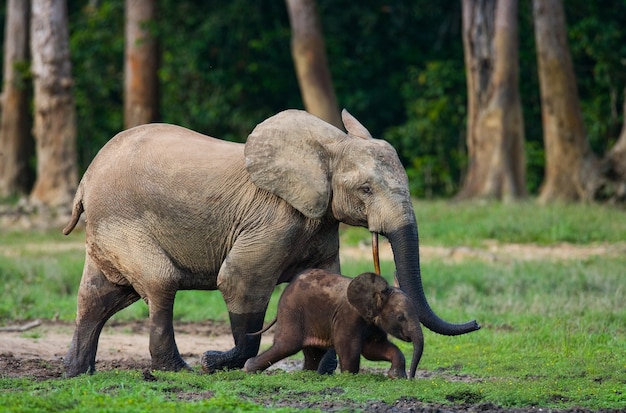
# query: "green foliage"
226,65
97,53
596,36
431,141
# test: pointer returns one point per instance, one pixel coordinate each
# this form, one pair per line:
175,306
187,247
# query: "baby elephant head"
388,308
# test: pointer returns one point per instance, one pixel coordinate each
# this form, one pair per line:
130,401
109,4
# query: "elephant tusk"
375,252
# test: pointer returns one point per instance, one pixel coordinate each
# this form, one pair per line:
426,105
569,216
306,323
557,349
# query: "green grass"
553,336
450,224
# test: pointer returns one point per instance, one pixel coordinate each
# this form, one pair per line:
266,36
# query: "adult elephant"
169,209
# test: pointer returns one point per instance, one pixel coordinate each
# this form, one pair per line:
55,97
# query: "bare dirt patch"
493,251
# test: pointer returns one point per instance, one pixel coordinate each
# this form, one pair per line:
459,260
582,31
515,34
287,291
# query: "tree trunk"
55,114
495,133
16,145
309,57
572,171
616,157
614,162
140,64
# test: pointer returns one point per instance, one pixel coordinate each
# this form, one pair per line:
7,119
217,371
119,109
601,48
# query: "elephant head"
350,177
388,308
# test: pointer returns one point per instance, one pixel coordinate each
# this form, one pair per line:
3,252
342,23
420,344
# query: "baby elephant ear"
367,294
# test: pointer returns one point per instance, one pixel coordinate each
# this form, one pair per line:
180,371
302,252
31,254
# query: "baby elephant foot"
396,373
253,365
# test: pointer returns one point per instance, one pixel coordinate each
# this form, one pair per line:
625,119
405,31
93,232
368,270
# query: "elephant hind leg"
163,349
98,300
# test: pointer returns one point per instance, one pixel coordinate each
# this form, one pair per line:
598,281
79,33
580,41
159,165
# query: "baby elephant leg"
278,351
385,350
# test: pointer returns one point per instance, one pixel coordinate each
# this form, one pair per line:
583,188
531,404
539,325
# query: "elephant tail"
258,333
77,210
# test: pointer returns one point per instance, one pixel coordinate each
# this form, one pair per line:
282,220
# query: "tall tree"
571,171
495,131
309,57
140,64
55,114
15,140
614,163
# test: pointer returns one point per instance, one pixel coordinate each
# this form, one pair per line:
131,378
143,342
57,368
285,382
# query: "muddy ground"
38,352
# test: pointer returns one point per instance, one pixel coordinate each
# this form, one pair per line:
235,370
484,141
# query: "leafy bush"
432,140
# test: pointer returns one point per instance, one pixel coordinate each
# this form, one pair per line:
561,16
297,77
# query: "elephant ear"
354,127
368,293
287,155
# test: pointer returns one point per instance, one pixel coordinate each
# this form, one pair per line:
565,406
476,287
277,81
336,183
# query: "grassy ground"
553,336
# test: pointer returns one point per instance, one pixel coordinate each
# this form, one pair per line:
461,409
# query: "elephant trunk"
417,338
405,247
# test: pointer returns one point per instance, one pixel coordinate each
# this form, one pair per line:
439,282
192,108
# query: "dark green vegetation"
397,66
553,336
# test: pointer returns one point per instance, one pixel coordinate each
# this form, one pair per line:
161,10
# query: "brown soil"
38,352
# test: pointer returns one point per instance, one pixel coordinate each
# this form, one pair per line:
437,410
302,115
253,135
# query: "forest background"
398,66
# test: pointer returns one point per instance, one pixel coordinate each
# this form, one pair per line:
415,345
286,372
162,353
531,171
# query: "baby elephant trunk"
417,338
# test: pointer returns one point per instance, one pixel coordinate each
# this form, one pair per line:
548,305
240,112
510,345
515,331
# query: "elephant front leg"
246,346
246,280
328,362
385,350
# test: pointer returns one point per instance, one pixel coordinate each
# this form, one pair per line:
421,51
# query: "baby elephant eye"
401,318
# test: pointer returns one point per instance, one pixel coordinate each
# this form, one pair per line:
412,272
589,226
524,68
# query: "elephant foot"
246,345
396,373
213,360
170,365
76,369
75,364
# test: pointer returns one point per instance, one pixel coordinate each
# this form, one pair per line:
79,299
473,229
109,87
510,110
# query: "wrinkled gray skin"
320,310
169,209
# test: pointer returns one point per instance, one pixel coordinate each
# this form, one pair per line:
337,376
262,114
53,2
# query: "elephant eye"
366,189
401,318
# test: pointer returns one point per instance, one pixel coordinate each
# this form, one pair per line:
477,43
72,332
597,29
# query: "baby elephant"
320,310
